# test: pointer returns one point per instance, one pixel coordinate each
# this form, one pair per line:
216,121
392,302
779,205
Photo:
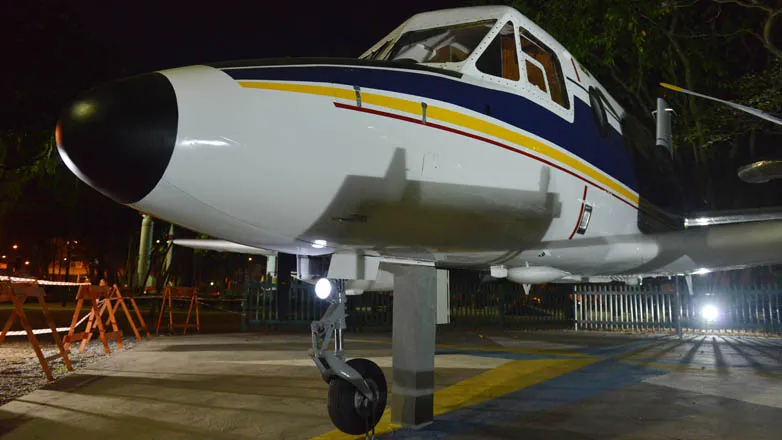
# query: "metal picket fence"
662,308
262,306
621,307
735,311
647,308
507,305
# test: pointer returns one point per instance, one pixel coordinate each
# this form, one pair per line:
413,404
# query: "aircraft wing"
268,250
733,217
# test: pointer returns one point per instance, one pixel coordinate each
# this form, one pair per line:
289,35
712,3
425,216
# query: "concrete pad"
547,386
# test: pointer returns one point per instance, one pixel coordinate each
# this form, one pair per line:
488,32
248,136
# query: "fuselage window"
450,44
535,75
499,58
543,69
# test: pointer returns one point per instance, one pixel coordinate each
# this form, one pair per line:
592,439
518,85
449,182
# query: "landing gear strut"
357,388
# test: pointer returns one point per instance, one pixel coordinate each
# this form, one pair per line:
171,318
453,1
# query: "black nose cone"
119,137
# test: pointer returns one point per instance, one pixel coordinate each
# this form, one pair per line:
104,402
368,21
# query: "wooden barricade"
94,294
17,293
179,293
115,300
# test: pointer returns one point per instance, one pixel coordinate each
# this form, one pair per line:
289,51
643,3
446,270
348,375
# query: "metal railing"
581,307
621,307
662,308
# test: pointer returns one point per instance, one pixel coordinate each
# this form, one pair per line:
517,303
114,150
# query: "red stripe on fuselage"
480,138
580,213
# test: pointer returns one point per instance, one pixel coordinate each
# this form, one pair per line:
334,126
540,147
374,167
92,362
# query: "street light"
4,257
250,259
27,263
15,247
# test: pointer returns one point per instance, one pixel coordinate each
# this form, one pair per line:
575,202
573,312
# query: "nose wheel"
350,411
357,388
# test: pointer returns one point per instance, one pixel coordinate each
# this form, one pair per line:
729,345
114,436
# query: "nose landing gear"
357,388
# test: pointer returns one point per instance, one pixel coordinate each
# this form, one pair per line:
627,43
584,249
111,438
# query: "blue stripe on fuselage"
580,138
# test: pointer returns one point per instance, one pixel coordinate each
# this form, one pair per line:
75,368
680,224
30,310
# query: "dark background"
51,51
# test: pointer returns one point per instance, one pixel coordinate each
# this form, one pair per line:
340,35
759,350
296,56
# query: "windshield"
450,44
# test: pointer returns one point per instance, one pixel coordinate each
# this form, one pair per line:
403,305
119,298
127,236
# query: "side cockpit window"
449,44
500,59
543,69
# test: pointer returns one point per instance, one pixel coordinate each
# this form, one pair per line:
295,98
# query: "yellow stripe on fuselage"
461,120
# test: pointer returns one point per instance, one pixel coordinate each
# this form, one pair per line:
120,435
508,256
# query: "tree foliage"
727,48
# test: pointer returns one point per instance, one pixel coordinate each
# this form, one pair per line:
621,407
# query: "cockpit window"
499,59
450,44
543,69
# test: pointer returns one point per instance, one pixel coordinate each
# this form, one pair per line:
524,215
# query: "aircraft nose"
119,137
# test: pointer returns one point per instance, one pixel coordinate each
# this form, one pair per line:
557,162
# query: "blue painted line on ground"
587,382
618,350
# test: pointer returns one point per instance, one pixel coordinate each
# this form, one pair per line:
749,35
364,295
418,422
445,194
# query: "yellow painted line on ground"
505,379
455,118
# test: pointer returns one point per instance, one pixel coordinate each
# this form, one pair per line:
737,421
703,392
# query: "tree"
713,46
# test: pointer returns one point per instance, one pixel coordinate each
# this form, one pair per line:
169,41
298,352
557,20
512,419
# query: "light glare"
709,313
323,288
319,244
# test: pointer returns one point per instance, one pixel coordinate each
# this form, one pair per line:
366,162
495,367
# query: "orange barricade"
179,293
115,300
93,294
17,293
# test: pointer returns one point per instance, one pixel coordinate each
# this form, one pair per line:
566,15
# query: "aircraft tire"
349,411
598,111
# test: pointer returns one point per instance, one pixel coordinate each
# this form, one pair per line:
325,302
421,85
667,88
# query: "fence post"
501,301
575,307
244,302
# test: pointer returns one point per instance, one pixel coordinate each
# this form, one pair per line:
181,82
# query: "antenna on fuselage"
664,131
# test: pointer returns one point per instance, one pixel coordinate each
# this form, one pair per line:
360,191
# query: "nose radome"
119,137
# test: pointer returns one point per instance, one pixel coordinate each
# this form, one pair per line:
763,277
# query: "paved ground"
510,385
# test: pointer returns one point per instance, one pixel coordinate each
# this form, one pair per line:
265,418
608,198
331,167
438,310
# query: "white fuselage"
442,163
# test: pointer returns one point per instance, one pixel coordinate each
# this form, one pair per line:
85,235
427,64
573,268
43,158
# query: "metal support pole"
338,341
144,249
575,308
413,344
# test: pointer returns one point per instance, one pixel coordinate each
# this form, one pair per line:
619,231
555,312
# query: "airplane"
465,138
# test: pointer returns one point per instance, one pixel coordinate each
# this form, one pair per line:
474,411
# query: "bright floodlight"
319,244
709,313
323,288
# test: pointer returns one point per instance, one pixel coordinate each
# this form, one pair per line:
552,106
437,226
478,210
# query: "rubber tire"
342,410
598,111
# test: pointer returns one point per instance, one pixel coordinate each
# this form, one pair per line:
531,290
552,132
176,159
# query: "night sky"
52,50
